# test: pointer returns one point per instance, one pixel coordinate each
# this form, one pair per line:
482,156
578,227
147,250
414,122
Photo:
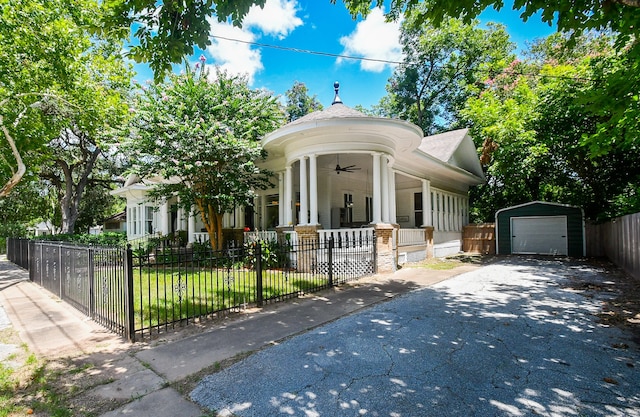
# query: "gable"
455,148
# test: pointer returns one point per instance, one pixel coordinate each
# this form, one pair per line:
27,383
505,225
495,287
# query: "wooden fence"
618,240
479,238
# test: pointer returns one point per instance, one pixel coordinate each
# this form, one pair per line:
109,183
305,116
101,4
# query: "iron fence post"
60,271
257,252
90,277
32,269
129,321
330,258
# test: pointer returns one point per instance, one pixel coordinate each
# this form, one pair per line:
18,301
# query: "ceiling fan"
348,168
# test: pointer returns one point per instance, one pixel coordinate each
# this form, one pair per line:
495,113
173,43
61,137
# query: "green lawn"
165,295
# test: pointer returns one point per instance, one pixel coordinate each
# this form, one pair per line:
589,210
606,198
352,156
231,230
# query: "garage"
540,228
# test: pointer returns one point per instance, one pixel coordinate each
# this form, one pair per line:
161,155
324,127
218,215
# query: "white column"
392,196
163,219
288,197
313,189
426,203
439,206
263,212
377,198
191,227
239,211
385,188
304,198
281,199
447,213
183,218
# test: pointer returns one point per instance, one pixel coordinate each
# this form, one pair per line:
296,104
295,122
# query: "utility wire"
384,61
307,51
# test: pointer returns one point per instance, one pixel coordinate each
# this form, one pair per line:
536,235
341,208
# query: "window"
417,209
368,203
134,221
149,219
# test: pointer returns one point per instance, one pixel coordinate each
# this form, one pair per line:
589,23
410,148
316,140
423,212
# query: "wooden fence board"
618,240
479,238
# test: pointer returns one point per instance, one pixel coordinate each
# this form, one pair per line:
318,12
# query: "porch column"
263,212
377,200
392,196
238,217
426,203
191,228
288,197
304,198
281,198
385,189
447,213
313,189
163,219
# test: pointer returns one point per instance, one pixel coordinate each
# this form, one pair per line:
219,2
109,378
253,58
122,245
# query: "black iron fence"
144,291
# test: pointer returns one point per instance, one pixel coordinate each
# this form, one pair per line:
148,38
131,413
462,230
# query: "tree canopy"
532,123
167,31
52,78
443,65
577,16
203,138
299,103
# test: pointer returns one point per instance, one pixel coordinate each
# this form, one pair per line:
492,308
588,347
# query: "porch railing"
408,237
201,237
348,237
264,235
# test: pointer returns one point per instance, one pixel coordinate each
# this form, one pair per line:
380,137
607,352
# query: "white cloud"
373,38
234,57
277,18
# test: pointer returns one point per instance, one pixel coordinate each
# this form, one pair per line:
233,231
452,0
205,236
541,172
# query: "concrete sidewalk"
147,372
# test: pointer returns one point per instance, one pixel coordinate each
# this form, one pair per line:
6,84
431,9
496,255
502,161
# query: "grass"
165,295
449,262
27,384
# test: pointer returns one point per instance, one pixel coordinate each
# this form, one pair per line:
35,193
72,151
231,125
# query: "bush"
10,230
274,254
103,239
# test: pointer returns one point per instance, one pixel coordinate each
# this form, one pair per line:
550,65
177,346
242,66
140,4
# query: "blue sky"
318,25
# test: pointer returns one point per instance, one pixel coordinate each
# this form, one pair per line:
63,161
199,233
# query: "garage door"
539,235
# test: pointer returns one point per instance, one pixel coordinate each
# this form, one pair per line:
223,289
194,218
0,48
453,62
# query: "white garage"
539,235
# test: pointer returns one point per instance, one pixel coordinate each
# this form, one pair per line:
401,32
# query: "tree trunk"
70,201
17,175
213,223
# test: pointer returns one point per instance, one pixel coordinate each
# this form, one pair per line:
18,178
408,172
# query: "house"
339,169
116,223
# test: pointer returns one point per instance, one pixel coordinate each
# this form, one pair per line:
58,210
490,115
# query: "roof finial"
336,99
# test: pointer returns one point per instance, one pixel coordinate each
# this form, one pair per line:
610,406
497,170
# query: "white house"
339,168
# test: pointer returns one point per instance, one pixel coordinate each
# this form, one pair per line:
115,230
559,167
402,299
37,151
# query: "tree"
621,16
621,81
45,55
443,66
166,31
78,157
202,137
299,103
531,124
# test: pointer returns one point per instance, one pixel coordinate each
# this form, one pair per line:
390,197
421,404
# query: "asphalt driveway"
514,338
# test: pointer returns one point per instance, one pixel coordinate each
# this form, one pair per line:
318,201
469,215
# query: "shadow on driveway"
513,338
